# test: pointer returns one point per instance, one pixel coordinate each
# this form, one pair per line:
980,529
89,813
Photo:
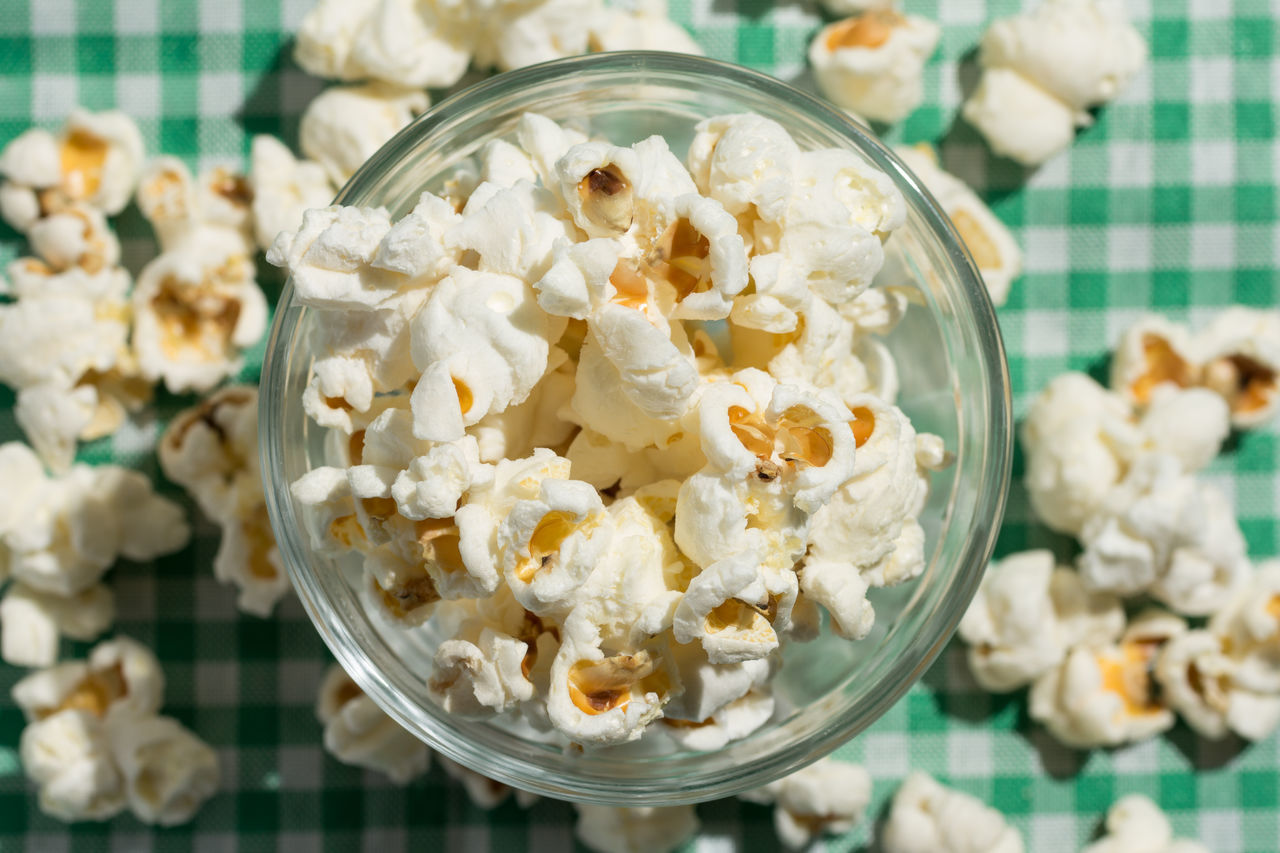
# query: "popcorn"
1052,63
121,679
183,209
1190,425
1241,352
1027,615
344,125
32,621
1199,680
1249,630
249,559
1161,531
484,793
211,450
994,251
415,45
195,309
327,35
520,34
1102,694
827,797
76,236
1078,439
479,679
67,756
1019,119
284,188
1136,825
1153,352
872,64
513,230
168,771
482,344
95,159
734,721
730,610
62,534
744,161
644,27
646,829
358,732
927,817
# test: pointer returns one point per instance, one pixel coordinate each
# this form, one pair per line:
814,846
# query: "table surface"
1168,202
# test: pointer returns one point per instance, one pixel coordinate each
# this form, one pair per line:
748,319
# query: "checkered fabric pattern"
1168,202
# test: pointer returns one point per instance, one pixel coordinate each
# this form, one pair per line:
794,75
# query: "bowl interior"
953,382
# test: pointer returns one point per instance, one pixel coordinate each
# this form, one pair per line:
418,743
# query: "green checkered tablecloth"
1168,202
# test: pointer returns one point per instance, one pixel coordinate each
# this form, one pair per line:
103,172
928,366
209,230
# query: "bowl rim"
973,556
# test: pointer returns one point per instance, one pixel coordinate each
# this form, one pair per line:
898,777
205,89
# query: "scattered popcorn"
1027,615
927,817
1188,424
1240,349
993,248
647,829
344,125
1042,71
484,793
95,159
645,26
183,208
61,534
872,64
76,236
32,621
541,457
196,308
94,743
327,34
1153,352
1103,694
284,187
358,732
827,797
1136,825
1161,531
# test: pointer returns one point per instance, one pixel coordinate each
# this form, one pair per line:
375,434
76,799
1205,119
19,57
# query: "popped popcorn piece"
1199,680
1078,438
95,159
1026,616
873,64
284,188
120,679
182,208
482,344
76,236
484,793
1151,353
988,240
646,829
1240,349
168,771
868,534
744,161
481,678
358,732
32,621
709,687
196,308
1159,530
1188,424
344,125
827,797
327,36
520,34
1103,693
1249,630
1019,119
731,611
330,259
1083,52
68,757
645,26
416,44
1136,825
927,817
734,721
249,559
513,230
63,533
211,450
1044,69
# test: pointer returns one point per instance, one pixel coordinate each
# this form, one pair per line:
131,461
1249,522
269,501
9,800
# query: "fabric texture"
1169,202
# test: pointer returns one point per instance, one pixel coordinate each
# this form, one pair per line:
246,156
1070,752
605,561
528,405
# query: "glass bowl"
953,379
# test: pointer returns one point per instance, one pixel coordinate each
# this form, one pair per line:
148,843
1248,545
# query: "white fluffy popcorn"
182,208
873,64
1161,531
1027,615
284,187
68,757
95,159
1188,424
358,732
416,44
988,240
168,771
1103,694
327,35
1136,825
1199,679
344,125
1044,69
196,309
1152,352
1240,349
927,817
644,27
646,829
76,236
827,797
32,621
